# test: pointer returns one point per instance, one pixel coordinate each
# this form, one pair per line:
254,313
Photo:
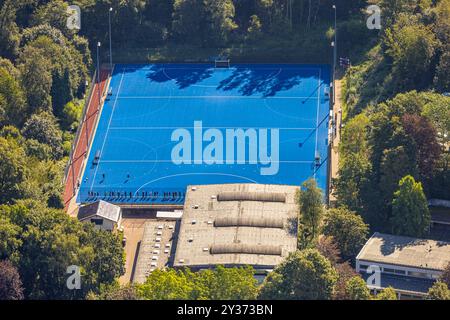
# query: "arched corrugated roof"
245,249
249,222
251,196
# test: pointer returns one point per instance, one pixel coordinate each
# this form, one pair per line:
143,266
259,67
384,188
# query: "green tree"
10,241
394,153
184,17
54,14
218,284
65,71
439,291
12,99
442,31
44,128
348,230
37,79
445,277
387,294
9,31
304,275
442,77
410,214
393,8
395,164
311,210
13,170
226,284
208,22
354,165
71,115
220,17
435,109
166,285
101,247
254,30
50,241
115,291
356,289
412,46
353,175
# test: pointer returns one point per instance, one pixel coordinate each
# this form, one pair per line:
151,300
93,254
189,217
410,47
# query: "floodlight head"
334,6
110,9
99,44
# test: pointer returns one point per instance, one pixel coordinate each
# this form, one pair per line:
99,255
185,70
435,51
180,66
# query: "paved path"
337,114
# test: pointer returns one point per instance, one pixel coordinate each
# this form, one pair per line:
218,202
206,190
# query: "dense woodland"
392,157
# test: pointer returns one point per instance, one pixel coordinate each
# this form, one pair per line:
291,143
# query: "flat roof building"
155,249
409,265
237,224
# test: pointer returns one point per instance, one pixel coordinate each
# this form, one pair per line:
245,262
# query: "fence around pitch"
80,126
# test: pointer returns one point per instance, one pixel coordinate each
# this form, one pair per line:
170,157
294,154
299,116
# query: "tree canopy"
439,291
43,243
348,230
410,213
10,283
311,210
304,275
217,284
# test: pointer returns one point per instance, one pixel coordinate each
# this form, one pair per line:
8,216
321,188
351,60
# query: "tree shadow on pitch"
183,77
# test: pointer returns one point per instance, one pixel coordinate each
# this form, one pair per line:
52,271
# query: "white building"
236,225
409,265
104,215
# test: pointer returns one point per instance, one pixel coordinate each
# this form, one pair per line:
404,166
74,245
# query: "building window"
97,222
417,274
387,270
363,267
403,272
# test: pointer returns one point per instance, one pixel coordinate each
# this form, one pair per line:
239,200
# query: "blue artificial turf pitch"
135,141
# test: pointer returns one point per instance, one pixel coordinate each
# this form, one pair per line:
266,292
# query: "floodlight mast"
334,44
110,37
98,75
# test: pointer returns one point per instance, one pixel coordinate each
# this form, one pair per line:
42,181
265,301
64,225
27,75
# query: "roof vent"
194,188
181,261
